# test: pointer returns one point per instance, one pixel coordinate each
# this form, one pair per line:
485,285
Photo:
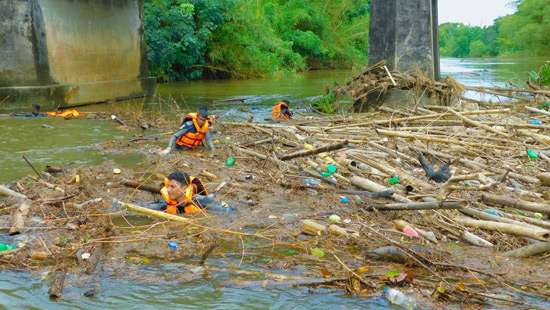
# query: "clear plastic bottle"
395,297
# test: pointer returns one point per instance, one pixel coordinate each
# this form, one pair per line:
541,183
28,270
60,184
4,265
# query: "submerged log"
57,284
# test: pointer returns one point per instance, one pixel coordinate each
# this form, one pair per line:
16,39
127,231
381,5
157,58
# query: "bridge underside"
72,51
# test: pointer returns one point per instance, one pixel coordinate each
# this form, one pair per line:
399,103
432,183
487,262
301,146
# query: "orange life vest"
277,114
66,113
193,139
189,205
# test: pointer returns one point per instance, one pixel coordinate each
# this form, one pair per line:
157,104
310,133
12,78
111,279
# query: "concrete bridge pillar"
404,33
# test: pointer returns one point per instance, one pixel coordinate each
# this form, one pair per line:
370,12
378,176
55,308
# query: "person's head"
36,108
286,101
176,183
203,114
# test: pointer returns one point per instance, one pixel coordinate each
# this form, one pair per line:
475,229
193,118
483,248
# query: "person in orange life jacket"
281,111
179,194
194,132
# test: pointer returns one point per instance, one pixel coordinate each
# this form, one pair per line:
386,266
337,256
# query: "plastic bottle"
395,297
394,180
312,182
532,154
535,121
173,245
7,247
230,161
344,199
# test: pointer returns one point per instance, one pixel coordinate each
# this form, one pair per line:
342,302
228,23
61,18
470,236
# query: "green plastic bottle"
7,247
532,154
331,169
394,180
230,161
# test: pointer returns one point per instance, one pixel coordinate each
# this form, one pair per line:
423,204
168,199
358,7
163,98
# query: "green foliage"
327,103
524,32
190,39
542,76
177,33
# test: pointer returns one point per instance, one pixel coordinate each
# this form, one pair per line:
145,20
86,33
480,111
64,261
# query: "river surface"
76,142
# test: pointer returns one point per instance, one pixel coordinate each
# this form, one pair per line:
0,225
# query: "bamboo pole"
327,148
372,186
154,213
4,190
511,229
478,124
499,201
530,250
412,206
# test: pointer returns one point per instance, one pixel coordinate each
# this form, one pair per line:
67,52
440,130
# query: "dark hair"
181,177
285,101
203,111
36,106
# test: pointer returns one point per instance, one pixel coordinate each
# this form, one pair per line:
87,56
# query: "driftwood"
489,217
144,187
411,206
530,250
478,124
19,217
326,148
58,283
8,192
382,194
511,229
507,201
535,110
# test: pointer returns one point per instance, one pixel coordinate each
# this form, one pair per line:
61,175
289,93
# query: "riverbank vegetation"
190,39
524,33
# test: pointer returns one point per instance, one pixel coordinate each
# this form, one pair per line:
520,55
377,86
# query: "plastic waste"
331,169
410,232
535,121
312,182
317,252
173,245
532,154
393,180
335,219
230,161
7,247
344,199
396,297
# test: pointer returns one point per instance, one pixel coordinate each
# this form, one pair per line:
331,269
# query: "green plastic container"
532,154
230,162
7,247
394,180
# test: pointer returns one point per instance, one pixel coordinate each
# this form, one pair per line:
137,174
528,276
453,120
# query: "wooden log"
542,139
326,148
412,206
57,284
478,124
4,190
154,189
371,186
153,213
511,229
19,217
529,220
530,250
313,228
88,202
499,201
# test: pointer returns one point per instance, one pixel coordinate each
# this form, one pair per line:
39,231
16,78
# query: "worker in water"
34,113
281,111
194,132
181,194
